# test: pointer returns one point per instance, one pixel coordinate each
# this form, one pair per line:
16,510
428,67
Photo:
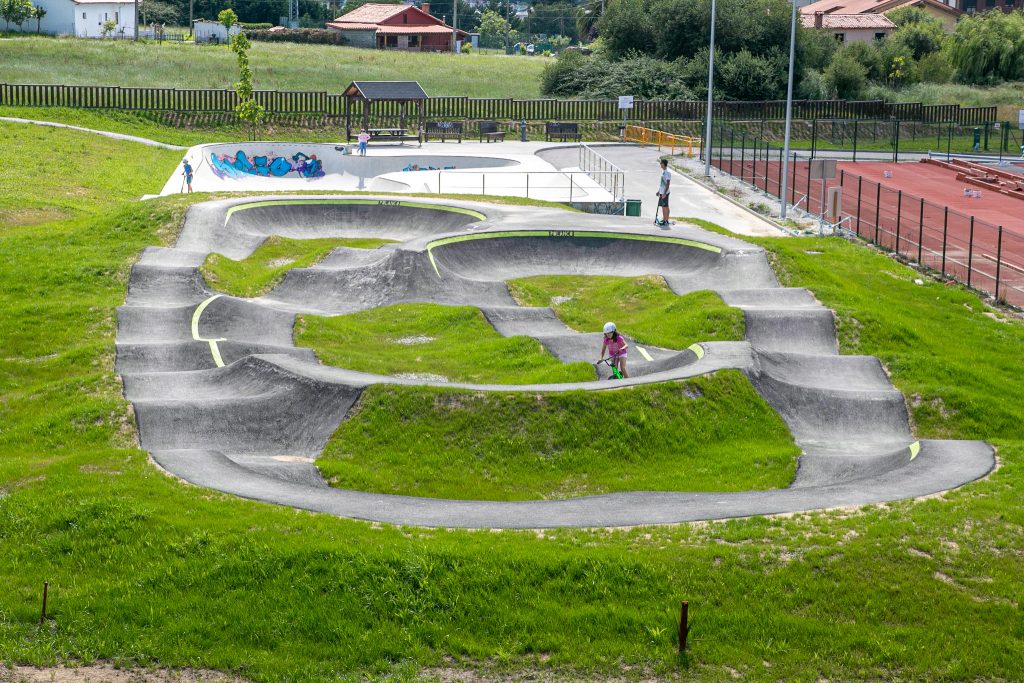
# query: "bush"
261,26
986,48
935,68
813,86
845,77
317,36
746,77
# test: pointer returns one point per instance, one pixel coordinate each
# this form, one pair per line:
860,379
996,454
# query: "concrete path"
687,198
224,399
107,134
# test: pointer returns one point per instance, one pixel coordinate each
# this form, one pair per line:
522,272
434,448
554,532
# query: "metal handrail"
651,136
595,164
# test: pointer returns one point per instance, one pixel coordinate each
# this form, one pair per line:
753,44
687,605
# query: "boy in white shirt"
663,190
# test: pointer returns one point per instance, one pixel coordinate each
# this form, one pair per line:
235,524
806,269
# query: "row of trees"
658,48
17,12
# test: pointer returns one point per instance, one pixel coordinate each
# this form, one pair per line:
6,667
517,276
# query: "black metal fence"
333,105
960,246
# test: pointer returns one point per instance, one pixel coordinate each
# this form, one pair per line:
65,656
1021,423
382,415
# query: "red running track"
920,211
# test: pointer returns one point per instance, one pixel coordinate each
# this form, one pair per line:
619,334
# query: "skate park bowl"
469,168
224,398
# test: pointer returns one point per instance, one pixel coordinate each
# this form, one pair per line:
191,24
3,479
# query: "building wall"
59,19
861,35
360,38
213,32
89,19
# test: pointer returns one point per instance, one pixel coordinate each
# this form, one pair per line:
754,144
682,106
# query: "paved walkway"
688,198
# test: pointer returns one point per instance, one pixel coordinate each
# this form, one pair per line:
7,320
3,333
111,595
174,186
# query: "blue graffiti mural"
227,166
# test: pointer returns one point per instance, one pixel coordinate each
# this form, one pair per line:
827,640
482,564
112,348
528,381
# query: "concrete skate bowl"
223,399
276,166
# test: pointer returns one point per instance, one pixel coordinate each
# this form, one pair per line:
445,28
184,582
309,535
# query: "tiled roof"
869,6
386,90
414,30
850,21
372,13
351,26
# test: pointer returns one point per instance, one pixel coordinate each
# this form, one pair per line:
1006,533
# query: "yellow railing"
649,136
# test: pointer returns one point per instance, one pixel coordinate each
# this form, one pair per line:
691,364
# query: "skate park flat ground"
506,169
221,392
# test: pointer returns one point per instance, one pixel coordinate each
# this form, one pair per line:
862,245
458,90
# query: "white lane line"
214,350
643,352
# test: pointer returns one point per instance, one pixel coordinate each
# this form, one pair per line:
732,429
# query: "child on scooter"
616,346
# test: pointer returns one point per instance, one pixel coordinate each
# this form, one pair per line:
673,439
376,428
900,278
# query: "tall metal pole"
789,112
711,85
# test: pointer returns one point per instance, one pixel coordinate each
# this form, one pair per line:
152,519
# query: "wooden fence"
327,104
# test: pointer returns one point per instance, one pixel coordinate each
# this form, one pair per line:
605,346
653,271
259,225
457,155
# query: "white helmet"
609,327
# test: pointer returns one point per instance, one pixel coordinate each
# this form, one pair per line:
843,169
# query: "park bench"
561,131
443,130
489,130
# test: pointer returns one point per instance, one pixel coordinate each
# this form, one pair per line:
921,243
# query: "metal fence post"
999,259
878,207
855,140
814,137
920,233
945,230
781,152
792,185
899,209
896,144
743,155
732,151
949,140
860,183
808,195
970,252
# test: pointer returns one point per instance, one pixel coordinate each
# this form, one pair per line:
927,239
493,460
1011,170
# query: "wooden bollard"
684,626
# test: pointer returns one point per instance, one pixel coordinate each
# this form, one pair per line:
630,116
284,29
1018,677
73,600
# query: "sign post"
626,103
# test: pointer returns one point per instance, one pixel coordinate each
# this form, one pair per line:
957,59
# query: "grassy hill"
276,66
146,571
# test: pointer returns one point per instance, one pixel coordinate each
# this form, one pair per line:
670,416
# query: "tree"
249,111
987,48
626,27
38,12
493,28
587,17
18,11
108,27
228,18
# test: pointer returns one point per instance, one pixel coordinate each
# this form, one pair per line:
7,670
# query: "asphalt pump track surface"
225,400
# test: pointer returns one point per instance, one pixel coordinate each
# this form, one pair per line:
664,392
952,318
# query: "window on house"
414,41
117,18
970,5
879,36
83,15
391,41
405,18
989,4
841,37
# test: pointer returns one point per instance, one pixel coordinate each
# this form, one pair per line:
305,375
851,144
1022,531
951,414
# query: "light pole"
711,84
789,114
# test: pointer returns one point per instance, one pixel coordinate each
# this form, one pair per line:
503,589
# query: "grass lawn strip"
708,434
144,570
275,66
644,308
86,174
433,342
264,269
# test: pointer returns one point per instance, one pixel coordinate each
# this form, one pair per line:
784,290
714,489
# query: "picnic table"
400,135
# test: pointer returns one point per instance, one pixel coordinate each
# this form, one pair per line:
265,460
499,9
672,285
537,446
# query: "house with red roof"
946,13
396,27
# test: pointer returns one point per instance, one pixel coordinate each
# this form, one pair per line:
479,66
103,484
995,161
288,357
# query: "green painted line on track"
354,202
564,234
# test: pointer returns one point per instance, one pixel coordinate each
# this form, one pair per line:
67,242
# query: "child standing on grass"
616,346
187,172
363,138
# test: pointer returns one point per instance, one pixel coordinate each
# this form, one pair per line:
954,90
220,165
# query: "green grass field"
430,341
145,571
264,269
275,66
644,308
666,437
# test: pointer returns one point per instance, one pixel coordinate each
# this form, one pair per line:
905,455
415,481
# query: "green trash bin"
632,207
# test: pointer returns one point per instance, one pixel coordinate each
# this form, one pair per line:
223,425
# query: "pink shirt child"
363,137
616,346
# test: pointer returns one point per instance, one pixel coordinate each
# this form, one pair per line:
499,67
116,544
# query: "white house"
207,31
83,18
